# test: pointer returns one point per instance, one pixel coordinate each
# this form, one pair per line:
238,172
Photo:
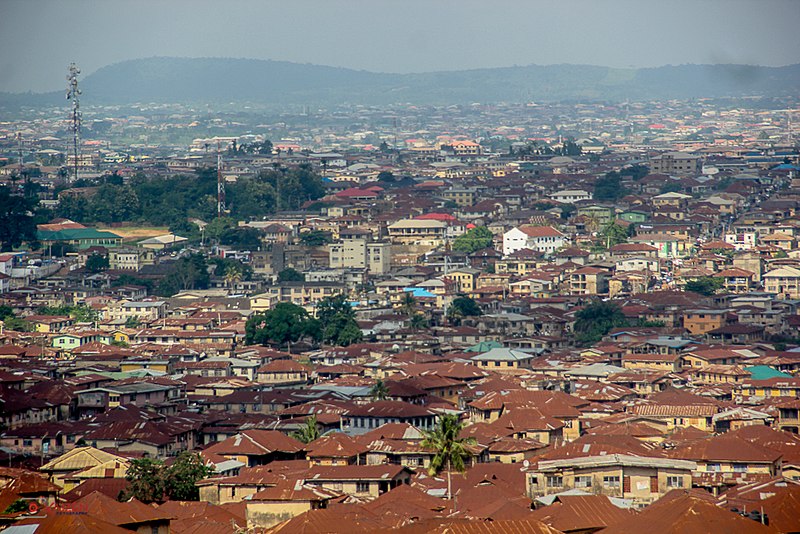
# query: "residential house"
639,479
540,238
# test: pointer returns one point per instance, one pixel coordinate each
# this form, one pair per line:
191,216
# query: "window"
674,482
583,482
611,482
336,486
740,468
362,487
713,468
555,481
27,443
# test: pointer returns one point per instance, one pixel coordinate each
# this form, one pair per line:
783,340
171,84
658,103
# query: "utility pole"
19,150
72,94
220,185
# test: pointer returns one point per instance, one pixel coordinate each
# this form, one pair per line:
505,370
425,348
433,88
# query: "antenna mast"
72,94
22,172
220,185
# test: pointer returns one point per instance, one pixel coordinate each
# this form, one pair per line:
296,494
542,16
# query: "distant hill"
280,82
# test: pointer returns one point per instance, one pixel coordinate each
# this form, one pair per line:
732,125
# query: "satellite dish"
526,463
710,171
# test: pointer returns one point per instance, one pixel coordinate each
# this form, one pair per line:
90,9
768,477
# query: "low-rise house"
48,324
258,447
737,333
639,479
154,438
720,459
71,340
772,387
78,459
283,373
362,481
661,362
97,400
283,501
362,419
720,374
141,311
335,448
678,410
502,359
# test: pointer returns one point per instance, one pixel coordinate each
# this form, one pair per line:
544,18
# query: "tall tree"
291,275
613,234
17,223
146,481
705,285
151,481
596,320
463,307
609,187
96,263
285,323
182,477
474,239
450,449
337,321
189,272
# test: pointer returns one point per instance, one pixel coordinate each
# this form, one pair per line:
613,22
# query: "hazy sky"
38,38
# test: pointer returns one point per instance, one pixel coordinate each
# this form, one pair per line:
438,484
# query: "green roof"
72,234
763,372
485,346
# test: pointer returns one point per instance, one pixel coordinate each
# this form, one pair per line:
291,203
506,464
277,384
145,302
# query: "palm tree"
450,450
233,274
418,322
379,391
408,304
308,432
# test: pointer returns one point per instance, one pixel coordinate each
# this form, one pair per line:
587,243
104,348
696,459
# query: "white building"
570,196
542,238
742,240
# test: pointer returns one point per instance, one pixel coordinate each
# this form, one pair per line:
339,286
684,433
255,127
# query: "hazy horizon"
38,39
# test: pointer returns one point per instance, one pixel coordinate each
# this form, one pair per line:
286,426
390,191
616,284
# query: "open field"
136,233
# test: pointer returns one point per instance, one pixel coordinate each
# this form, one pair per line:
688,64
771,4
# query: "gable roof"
687,515
80,458
582,512
256,442
540,231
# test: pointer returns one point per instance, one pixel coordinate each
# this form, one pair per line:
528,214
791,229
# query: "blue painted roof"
763,372
419,292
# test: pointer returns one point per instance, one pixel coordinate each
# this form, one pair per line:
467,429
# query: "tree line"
160,201
288,323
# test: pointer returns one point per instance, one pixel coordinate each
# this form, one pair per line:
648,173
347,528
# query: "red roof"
256,442
541,231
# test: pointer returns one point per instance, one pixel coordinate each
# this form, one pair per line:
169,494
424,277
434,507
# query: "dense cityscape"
547,316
